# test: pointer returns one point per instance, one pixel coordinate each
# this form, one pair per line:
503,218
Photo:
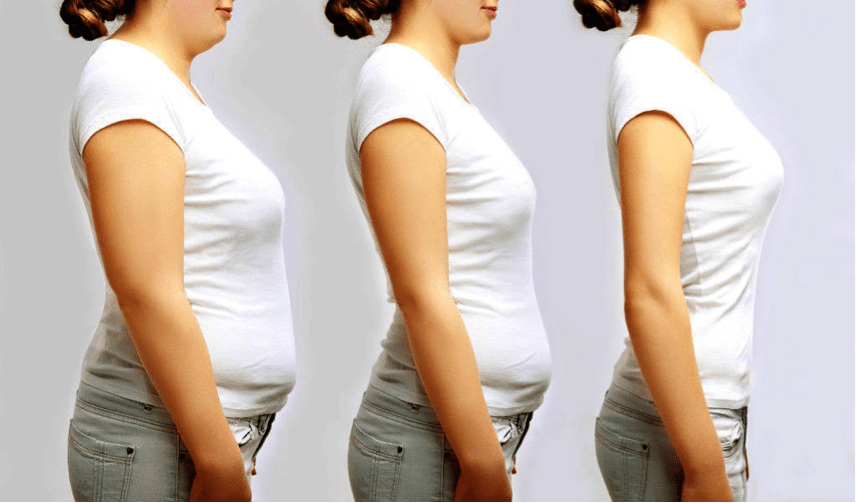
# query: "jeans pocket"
732,435
374,467
242,430
729,428
98,470
506,429
623,463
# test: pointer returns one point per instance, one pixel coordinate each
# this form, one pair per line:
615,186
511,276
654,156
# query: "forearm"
172,349
447,366
661,335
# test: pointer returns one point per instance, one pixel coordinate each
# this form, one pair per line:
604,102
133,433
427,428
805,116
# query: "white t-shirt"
234,269
735,180
490,199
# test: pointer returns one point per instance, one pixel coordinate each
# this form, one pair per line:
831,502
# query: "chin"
216,37
480,36
735,23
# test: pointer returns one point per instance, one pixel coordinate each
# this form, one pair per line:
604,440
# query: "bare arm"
136,186
404,179
655,157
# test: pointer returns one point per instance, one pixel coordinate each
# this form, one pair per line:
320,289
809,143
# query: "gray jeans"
636,457
122,450
398,451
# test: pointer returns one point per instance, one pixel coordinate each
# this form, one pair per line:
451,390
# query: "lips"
226,11
491,11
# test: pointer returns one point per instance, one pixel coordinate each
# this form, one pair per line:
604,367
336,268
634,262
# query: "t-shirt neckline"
198,100
465,99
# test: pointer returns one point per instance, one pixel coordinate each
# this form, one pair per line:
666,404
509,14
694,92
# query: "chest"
734,166
483,174
225,182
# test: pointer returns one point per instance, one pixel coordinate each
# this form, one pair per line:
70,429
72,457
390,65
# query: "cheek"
198,12
719,15
471,25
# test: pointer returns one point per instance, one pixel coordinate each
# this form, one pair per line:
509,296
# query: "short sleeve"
388,92
114,93
642,83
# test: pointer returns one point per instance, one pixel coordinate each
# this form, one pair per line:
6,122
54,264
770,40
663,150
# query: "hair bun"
603,14
352,18
86,18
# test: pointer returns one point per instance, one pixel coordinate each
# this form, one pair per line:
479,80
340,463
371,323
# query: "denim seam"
119,416
522,434
442,466
126,481
266,422
621,409
376,409
177,467
619,447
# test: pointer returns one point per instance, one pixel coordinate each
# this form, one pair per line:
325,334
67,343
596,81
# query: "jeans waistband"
625,402
424,415
98,400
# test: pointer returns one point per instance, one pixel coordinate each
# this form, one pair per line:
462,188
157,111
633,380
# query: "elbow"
135,298
644,297
415,300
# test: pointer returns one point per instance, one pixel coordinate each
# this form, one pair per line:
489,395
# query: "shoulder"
395,71
121,68
396,82
123,82
652,75
650,62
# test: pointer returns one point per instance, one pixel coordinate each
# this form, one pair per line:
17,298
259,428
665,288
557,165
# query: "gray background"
282,83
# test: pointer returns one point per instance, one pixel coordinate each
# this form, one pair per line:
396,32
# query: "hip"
120,449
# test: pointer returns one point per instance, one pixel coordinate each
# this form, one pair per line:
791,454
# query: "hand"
707,488
227,483
487,484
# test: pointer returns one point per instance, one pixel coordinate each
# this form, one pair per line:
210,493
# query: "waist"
630,404
253,374
381,401
514,369
103,402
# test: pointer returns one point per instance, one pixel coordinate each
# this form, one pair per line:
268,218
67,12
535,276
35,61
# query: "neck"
672,22
151,28
415,26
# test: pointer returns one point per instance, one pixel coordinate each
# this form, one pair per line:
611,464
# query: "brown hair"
351,18
86,18
603,14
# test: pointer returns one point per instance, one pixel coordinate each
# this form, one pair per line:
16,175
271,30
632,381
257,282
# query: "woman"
697,184
194,353
466,359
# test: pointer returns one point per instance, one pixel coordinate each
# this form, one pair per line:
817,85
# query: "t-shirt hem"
134,394
419,399
143,397
712,402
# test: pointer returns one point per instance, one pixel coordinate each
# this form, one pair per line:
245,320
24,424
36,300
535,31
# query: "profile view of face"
202,22
466,21
717,15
